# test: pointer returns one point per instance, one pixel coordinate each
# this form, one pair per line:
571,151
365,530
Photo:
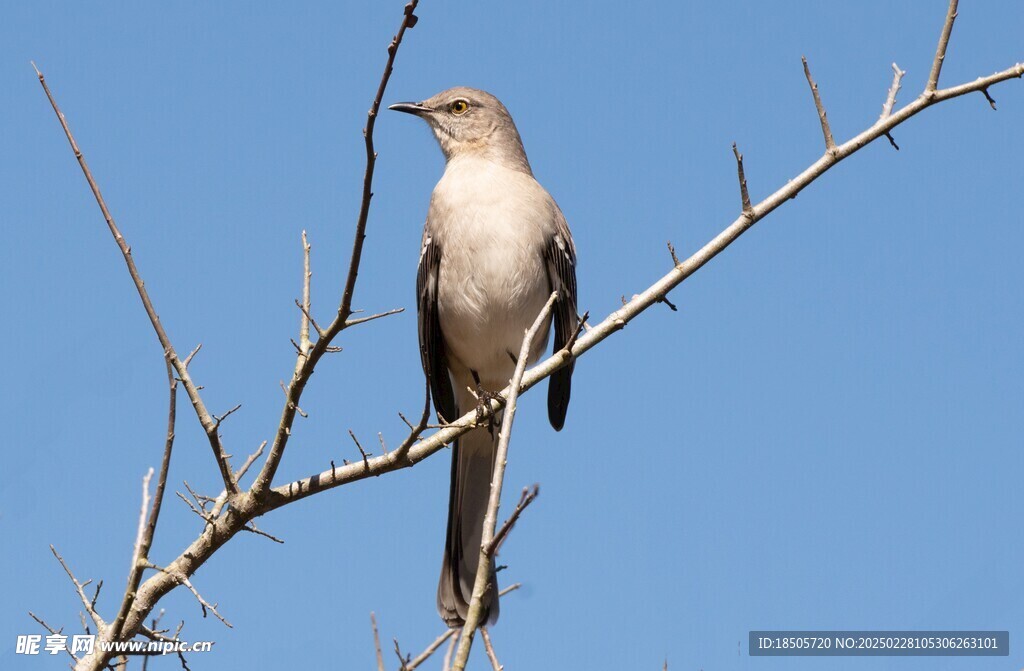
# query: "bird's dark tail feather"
472,465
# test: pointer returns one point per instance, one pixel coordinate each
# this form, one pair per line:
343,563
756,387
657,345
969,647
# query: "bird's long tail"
472,464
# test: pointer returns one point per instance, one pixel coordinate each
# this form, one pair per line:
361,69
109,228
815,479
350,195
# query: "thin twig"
206,517
80,589
830,144
525,499
145,541
401,455
183,580
890,98
363,320
376,642
252,528
54,632
430,650
209,426
511,588
744,195
403,661
890,101
307,275
366,461
940,50
574,336
990,99
345,309
490,649
447,664
191,354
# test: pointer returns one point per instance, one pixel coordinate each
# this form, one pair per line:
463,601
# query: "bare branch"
366,462
490,649
430,650
179,577
209,426
209,519
145,541
451,649
579,327
250,460
403,661
401,454
990,99
96,593
252,528
363,320
227,414
525,499
345,308
511,588
307,363
80,589
940,51
53,631
376,642
191,354
307,318
744,195
307,274
890,98
483,573
830,144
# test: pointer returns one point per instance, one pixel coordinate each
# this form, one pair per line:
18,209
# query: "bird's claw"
483,405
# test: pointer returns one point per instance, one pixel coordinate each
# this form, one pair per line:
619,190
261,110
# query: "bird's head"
470,122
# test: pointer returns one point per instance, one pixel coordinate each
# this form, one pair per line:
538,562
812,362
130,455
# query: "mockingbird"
495,246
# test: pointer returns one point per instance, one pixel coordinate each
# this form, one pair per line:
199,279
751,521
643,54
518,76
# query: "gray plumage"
495,245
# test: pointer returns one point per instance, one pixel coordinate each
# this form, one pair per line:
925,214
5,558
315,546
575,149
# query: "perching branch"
483,572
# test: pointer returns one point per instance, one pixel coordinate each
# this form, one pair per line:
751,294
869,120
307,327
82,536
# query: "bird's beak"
411,108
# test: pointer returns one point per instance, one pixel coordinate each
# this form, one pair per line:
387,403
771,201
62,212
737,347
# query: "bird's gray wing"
560,255
432,347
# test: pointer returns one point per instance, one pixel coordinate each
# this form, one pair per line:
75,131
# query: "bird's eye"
459,107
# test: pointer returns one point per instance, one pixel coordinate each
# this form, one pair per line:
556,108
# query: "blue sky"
825,436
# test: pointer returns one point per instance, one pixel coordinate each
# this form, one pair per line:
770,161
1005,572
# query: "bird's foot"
483,404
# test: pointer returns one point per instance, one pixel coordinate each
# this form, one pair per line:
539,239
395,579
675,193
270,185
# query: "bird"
495,247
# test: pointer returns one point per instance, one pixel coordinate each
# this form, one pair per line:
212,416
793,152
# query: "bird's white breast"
492,224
